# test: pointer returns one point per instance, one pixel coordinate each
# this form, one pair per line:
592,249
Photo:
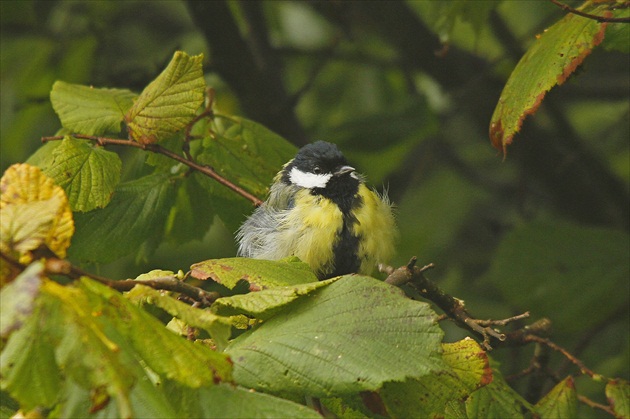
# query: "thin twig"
156,148
56,266
600,19
567,355
167,283
596,405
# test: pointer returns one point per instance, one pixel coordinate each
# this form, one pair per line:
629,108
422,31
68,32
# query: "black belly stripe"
347,246
343,191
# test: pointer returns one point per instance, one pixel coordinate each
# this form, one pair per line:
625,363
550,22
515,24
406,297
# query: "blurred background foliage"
407,90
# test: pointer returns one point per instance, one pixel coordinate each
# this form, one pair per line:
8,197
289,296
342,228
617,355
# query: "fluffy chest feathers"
316,229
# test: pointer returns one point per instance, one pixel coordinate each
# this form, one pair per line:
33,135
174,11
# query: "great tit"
320,210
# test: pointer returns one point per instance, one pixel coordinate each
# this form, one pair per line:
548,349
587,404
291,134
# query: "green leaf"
169,102
164,352
560,402
27,365
429,396
238,402
146,399
191,216
443,16
552,58
137,213
88,110
17,299
260,274
496,400
247,154
618,34
349,336
543,265
87,173
469,363
266,303
618,394
218,327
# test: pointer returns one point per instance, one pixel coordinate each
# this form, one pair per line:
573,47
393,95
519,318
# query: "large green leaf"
560,402
618,394
87,173
88,336
169,102
552,58
429,396
543,265
88,110
260,274
137,213
349,336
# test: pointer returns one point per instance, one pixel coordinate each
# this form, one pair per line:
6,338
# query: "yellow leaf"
35,211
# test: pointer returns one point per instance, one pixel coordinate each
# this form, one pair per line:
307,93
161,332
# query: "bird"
319,209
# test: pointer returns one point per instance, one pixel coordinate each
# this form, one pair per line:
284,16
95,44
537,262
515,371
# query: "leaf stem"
600,19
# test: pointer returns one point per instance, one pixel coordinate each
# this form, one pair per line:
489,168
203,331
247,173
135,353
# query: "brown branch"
600,19
453,307
167,283
156,148
596,405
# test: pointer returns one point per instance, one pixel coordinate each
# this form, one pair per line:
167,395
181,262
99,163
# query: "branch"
567,355
596,405
167,283
600,19
453,307
156,148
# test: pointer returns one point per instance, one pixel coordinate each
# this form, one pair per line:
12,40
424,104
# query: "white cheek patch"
308,180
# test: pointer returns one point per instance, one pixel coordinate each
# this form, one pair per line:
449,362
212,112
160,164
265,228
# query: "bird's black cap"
321,155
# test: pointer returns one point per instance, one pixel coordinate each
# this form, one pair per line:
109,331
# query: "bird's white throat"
308,180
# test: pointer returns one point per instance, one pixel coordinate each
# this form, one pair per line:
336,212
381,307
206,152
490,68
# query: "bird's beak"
343,170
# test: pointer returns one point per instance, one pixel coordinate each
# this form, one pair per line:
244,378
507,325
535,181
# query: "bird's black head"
322,168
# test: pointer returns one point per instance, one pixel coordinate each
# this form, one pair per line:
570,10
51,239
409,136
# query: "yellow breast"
376,229
312,226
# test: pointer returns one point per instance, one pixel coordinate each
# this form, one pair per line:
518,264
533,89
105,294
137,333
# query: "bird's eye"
317,170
